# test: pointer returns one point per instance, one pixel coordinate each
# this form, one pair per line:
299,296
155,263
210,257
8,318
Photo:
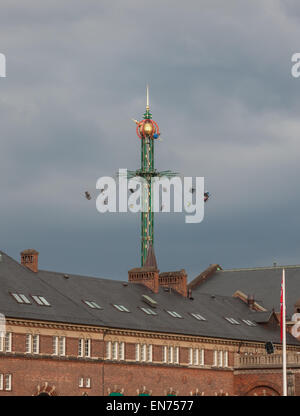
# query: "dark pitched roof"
67,293
262,282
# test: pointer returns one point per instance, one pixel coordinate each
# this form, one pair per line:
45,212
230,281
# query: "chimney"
176,280
29,259
250,301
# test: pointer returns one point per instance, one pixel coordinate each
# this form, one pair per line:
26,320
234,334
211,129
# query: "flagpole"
283,335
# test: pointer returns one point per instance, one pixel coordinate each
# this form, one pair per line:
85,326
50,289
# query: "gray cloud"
227,106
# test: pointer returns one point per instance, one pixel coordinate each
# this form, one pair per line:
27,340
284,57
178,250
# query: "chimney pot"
250,301
29,259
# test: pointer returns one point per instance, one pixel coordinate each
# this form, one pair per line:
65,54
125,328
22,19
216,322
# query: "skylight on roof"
248,322
149,311
174,314
40,300
198,316
92,304
232,321
121,308
20,298
150,301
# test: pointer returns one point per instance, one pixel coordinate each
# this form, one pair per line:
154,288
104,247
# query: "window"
215,359
176,355
149,353
232,321
92,304
143,352
8,382
225,358
171,354
149,311
1,381
121,351
220,359
84,347
88,382
196,356
198,316
87,347
32,344
81,381
115,350
137,352
250,323
59,345
20,298
40,300
165,350
6,342
174,314
108,350
121,308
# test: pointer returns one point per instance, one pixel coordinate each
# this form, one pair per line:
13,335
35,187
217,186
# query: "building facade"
154,334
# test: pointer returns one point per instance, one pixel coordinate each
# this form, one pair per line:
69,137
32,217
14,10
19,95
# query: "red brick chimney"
175,280
250,301
148,274
29,259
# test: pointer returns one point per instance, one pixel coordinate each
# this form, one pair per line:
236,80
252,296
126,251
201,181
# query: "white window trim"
202,357
87,347
137,352
8,382
143,352
225,358
165,353
35,344
215,363
55,345
122,351
28,344
1,381
62,346
220,358
149,356
8,342
176,355
170,354
108,350
80,347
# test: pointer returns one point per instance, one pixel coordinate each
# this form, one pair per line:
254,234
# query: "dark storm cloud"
227,106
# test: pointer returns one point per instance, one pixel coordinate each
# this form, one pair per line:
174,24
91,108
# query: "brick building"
152,333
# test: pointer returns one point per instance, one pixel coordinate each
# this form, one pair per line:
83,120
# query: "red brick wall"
46,344
250,383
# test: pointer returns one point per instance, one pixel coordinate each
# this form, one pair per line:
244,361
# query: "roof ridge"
261,268
81,275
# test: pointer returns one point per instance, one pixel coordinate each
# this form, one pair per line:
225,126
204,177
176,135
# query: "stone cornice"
138,333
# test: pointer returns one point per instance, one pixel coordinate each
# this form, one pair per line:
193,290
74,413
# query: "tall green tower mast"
148,131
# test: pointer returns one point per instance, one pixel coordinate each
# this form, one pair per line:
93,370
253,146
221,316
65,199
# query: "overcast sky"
228,108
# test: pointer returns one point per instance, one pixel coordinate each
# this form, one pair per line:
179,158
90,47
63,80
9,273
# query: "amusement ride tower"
148,132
